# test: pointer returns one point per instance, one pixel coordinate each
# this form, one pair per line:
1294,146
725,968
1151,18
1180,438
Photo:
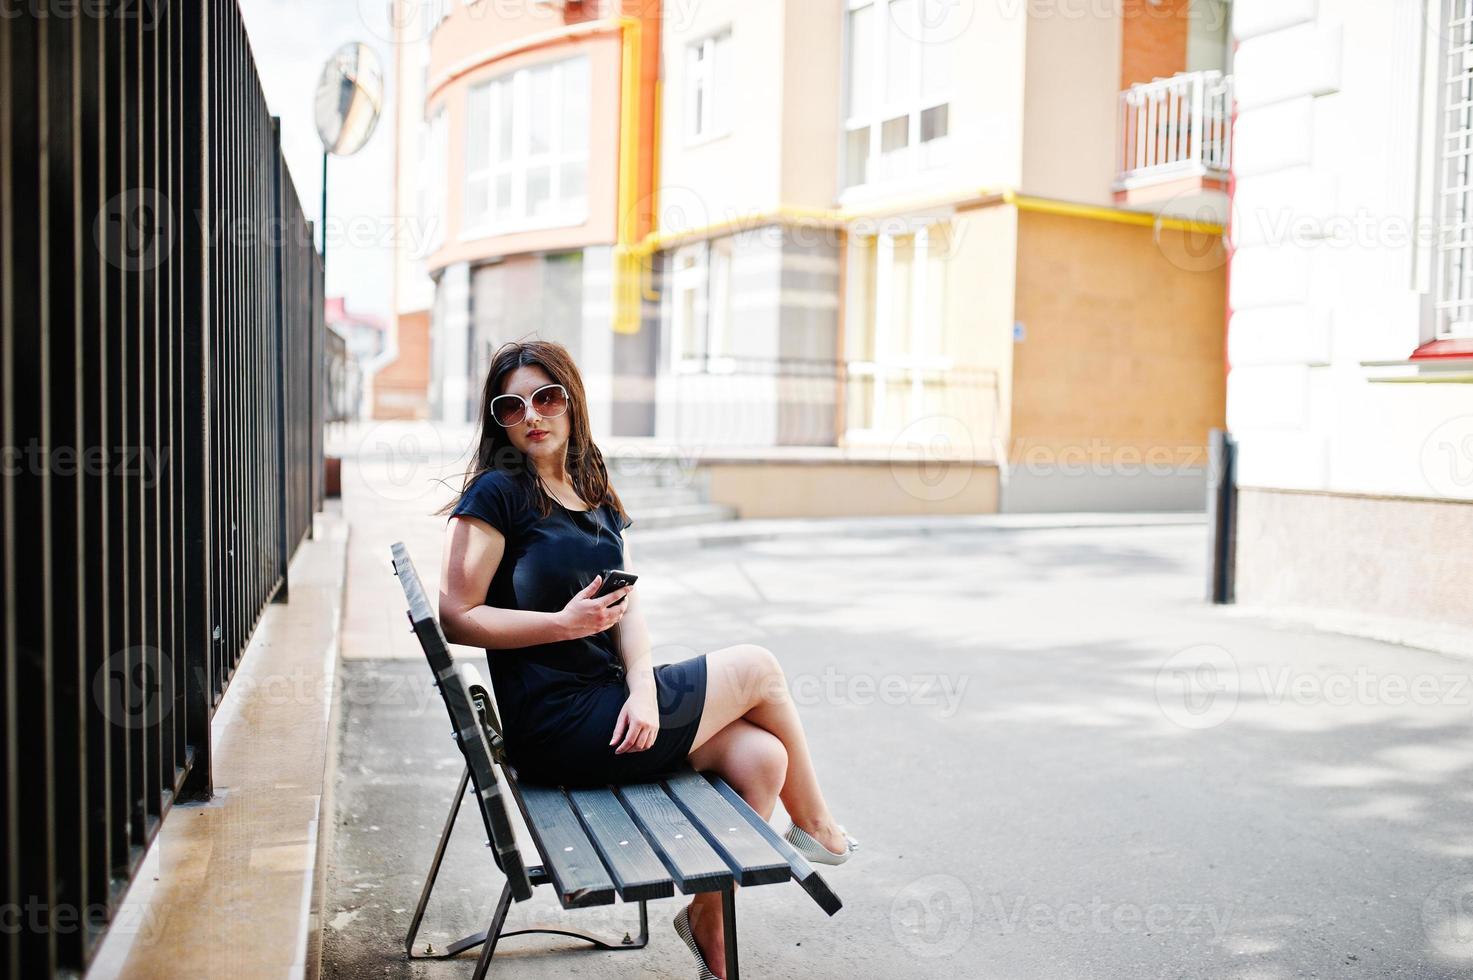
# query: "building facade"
967,230
1351,339
527,166
855,233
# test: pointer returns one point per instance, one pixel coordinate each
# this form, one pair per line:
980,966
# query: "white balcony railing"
1175,127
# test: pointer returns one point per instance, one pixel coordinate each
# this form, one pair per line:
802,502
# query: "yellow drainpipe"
982,197
627,255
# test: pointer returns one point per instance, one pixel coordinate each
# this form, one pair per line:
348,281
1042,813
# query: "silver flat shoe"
814,850
682,929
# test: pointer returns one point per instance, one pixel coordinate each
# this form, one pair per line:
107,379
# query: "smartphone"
613,580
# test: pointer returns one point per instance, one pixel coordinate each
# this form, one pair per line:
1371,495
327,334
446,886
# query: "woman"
580,700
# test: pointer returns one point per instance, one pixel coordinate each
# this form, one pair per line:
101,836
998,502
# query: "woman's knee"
758,760
770,762
765,672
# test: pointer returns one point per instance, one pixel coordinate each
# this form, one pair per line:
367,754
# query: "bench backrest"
474,725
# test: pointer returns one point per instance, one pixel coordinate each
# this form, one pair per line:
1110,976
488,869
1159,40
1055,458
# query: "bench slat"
638,872
751,858
571,861
802,870
684,852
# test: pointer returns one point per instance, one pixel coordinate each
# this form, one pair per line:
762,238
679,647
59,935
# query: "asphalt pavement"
1060,762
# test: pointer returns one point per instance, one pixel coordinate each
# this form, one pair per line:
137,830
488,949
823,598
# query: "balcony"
1175,148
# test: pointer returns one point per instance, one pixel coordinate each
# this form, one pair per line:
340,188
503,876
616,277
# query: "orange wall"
1154,40
401,390
1123,346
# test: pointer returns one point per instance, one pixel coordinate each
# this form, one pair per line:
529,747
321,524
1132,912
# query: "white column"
450,340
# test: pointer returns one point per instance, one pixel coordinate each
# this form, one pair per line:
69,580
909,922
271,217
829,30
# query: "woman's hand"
639,722
584,615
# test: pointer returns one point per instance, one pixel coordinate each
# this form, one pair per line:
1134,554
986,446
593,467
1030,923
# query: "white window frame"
433,205
915,158
702,270
519,161
708,73
888,366
1452,155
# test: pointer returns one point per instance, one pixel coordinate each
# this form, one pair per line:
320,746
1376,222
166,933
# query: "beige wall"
986,118
1123,347
730,176
1071,104
979,313
823,489
813,32
1385,556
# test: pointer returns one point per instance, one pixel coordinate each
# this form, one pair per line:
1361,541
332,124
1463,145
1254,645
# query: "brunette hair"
495,450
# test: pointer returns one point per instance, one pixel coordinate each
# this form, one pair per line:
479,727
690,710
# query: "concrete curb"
768,529
1441,638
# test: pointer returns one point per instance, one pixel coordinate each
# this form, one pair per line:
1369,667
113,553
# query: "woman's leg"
746,682
751,735
755,763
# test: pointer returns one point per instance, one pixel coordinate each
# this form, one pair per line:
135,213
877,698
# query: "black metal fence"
160,416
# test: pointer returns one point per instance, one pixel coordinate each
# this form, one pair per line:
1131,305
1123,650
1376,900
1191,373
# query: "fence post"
283,510
1222,515
199,503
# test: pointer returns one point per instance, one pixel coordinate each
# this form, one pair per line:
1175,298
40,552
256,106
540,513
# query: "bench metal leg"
460,945
729,929
503,905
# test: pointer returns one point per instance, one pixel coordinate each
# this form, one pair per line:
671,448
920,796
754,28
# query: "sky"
292,40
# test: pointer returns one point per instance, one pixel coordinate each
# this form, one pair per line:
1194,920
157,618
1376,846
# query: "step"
681,515
640,498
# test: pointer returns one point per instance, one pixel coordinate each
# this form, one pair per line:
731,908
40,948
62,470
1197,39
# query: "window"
702,307
433,160
895,314
1454,295
527,149
708,87
897,88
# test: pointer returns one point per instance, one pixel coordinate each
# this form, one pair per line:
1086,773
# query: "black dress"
560,701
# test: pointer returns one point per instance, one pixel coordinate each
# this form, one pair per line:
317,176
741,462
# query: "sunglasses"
550,401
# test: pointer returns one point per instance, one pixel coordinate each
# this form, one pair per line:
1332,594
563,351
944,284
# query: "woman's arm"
473,551
639,720
634,641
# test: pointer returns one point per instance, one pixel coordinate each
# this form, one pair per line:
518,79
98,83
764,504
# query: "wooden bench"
634,841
